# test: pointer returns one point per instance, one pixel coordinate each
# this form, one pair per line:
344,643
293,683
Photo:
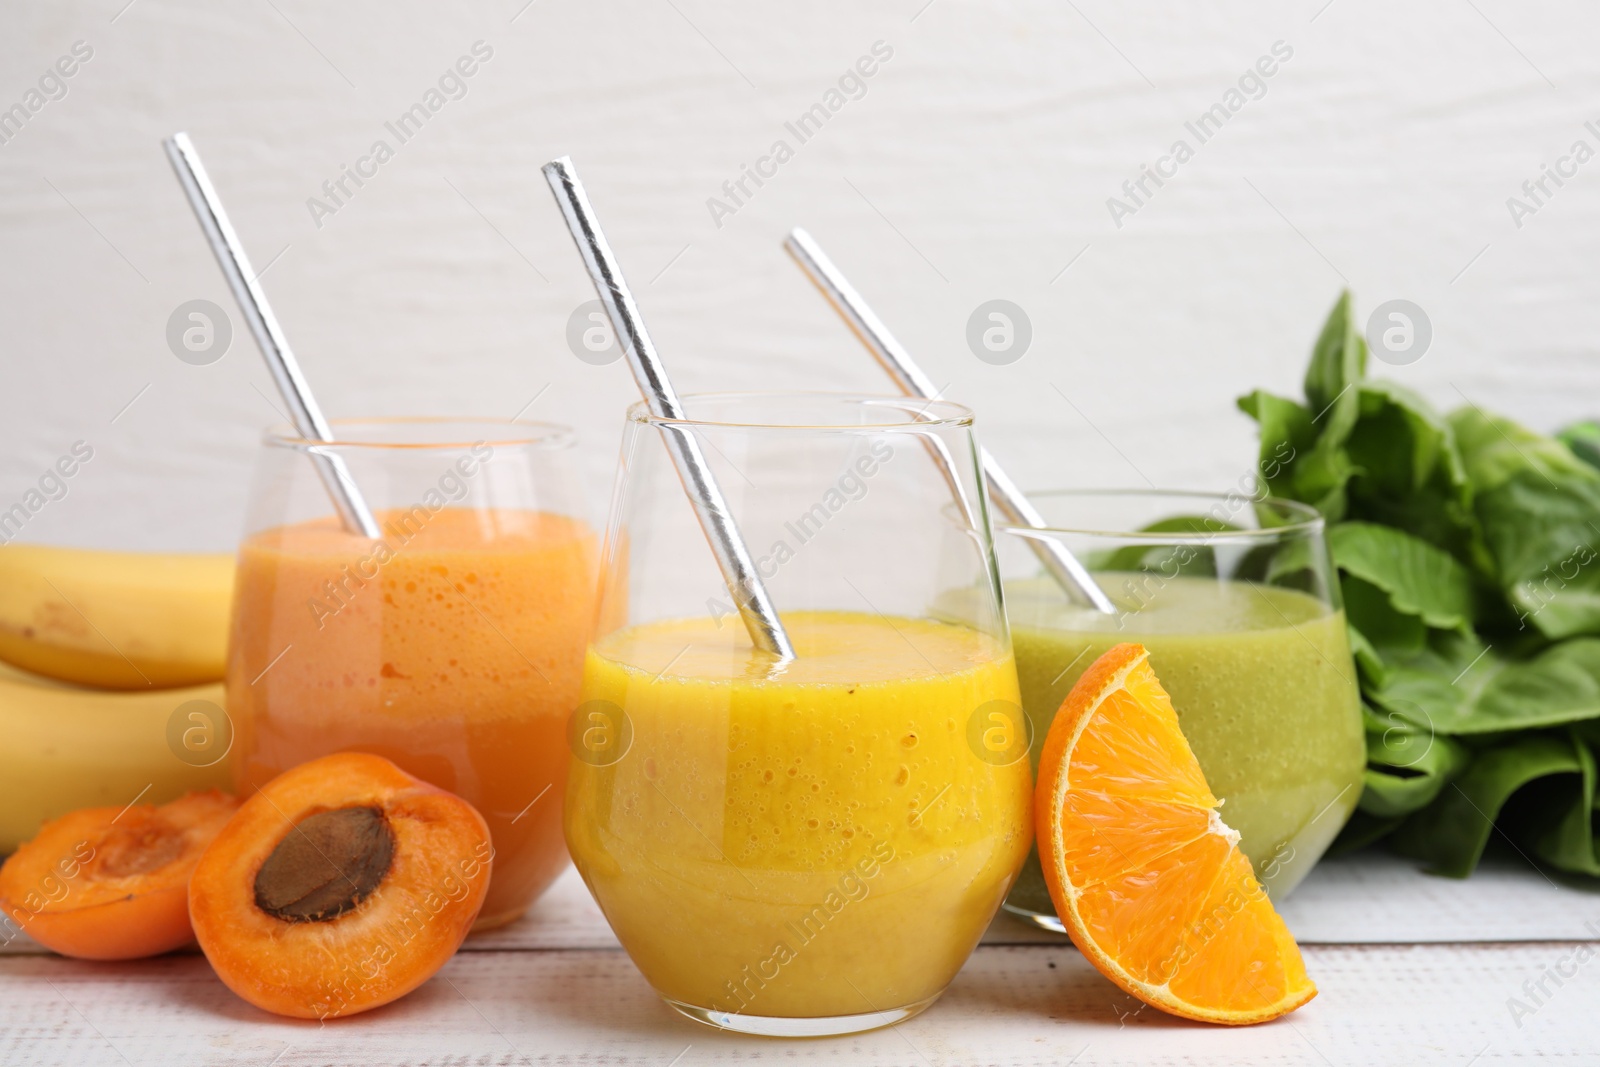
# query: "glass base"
777,1026
1029,899
1043,922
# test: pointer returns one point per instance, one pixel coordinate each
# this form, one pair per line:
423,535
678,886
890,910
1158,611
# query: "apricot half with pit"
112,883
340,886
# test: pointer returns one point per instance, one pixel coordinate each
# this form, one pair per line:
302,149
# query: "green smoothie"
1264,687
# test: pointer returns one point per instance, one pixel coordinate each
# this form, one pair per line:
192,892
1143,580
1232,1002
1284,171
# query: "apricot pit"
328,865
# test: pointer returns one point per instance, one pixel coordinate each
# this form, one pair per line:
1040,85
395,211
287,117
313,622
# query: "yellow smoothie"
817,841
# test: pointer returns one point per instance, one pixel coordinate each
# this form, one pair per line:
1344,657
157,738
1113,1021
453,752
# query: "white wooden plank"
565,917
1010,1005
1374,897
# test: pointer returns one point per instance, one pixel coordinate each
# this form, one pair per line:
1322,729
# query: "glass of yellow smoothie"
807,847
452,645
1236,598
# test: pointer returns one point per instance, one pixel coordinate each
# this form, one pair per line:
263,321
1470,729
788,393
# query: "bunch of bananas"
111,669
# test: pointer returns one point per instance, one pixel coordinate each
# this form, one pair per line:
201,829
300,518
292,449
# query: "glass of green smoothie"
1237,600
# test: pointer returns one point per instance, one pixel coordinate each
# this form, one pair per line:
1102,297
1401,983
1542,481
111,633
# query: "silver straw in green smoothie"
710,506
1057,559
246,285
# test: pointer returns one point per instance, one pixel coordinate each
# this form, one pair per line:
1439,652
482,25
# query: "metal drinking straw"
1058,560
733,557
307,416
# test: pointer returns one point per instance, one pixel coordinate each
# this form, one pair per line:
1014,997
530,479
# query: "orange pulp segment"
1147,878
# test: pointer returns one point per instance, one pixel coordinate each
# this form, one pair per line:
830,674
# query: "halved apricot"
343,884
113,883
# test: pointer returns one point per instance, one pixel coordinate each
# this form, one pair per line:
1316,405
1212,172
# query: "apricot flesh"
112,883
343,884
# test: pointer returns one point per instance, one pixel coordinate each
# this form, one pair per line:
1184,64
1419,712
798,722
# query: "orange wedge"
1147,878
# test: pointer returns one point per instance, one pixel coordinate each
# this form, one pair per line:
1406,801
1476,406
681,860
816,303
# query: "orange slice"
1147,878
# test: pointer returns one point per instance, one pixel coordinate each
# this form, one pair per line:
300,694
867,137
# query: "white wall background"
977,166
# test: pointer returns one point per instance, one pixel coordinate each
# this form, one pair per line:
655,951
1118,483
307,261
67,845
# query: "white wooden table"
1412,970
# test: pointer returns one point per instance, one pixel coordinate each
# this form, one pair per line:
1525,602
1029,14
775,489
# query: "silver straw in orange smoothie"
246,285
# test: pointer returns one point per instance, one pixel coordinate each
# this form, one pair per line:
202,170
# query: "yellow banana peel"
115,620
64,747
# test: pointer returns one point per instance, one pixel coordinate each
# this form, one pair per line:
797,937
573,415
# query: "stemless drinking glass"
1236,599
814,846
453,645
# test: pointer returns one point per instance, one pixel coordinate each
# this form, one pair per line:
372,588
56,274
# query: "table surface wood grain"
1412,970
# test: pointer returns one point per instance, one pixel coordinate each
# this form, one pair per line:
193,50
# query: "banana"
67,747
115,620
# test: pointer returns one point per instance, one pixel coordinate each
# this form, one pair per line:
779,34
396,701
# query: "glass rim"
921,412
500,433
1303,518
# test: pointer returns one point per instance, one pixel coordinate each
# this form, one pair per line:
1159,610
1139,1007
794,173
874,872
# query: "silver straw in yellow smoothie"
710,506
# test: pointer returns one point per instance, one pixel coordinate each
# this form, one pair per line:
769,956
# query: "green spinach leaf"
1411,474
1392,634
1407,765
1468,550
1339,359
1450,833
1459,686
1554,816
1286,432
1584,440
1539,509
1420,580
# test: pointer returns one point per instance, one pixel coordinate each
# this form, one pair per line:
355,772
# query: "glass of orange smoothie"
453,645
814,846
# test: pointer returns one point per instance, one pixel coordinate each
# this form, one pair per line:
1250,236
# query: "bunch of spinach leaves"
1468,549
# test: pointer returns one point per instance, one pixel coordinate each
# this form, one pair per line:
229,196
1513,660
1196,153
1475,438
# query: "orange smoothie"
453,647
